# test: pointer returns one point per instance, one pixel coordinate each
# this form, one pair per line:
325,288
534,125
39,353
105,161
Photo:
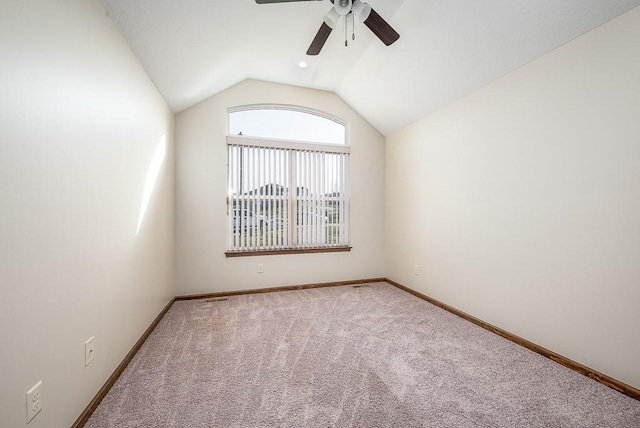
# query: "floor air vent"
221,299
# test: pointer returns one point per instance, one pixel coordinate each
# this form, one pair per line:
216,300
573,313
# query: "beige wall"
79,124
521,202
201,211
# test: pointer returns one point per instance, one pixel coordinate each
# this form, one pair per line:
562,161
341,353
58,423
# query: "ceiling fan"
341,8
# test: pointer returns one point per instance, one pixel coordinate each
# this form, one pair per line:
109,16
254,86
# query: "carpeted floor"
372,356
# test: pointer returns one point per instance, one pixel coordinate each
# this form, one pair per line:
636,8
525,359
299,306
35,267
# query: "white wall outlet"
89,351
260,268
416,270
34,401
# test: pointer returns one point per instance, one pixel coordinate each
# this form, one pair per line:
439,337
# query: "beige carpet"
372,356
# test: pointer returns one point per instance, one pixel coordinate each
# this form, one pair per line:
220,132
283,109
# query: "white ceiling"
193,49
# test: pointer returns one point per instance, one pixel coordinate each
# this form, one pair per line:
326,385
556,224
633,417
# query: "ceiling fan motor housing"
343,7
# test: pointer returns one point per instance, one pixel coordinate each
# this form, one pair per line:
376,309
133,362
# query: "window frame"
283,144
295,108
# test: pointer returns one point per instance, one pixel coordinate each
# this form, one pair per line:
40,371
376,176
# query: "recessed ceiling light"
303,64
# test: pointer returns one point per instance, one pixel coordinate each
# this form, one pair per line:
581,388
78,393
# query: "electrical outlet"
416,270
34,401
89,351
260,268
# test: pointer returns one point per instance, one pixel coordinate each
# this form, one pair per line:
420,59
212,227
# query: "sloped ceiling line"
194,49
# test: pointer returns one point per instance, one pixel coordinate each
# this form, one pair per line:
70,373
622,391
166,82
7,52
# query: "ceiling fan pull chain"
353,26
346,24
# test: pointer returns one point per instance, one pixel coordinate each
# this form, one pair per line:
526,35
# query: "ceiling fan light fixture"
332,18
361,9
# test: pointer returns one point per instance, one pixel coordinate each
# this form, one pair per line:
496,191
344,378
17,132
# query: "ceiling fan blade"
319,40
380,28
279,1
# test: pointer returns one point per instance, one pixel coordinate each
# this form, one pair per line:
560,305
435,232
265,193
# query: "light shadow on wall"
152,178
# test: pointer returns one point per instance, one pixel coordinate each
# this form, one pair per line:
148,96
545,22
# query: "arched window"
288,181
286,123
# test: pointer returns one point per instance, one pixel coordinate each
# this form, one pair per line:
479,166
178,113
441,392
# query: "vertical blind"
286,195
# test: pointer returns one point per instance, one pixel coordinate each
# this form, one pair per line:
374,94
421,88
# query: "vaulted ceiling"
193,49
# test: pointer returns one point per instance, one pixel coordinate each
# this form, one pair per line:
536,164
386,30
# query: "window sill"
290,251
